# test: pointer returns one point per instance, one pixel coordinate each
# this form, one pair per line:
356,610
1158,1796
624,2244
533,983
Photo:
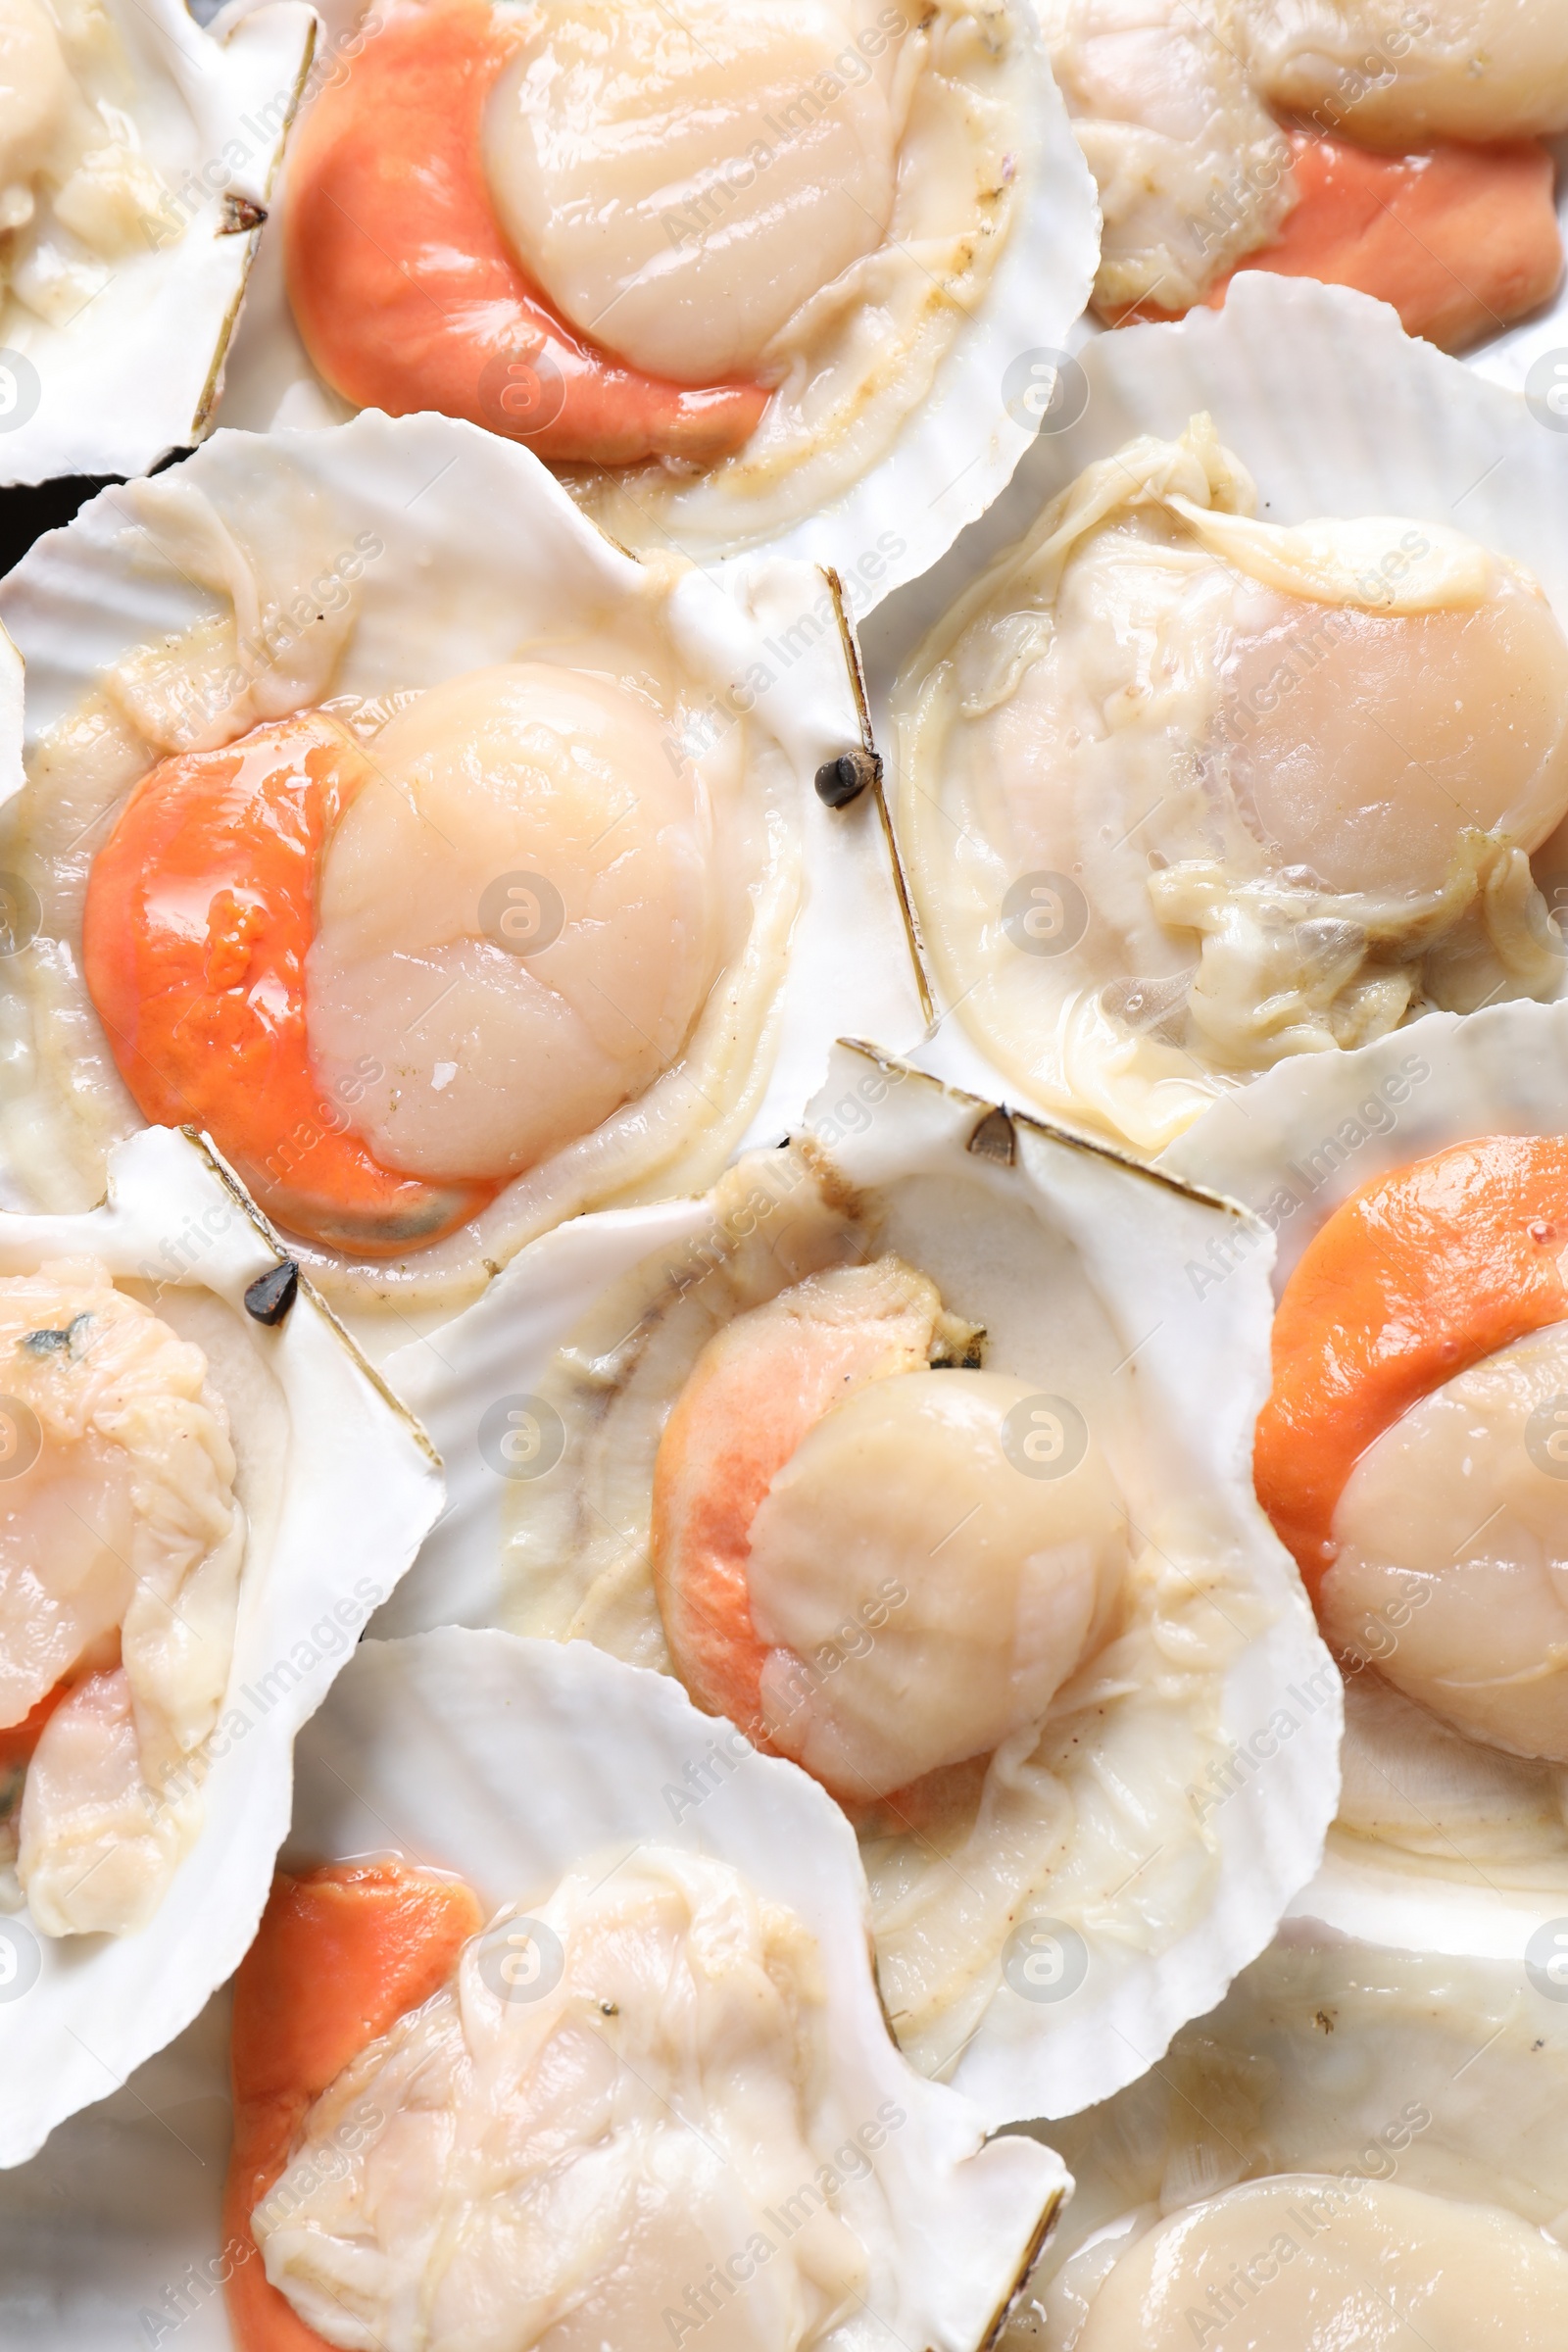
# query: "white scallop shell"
1310,1132
1202,1374
1331,406
136,372
427,1747
1323,2058
481,552
339,1485
953,453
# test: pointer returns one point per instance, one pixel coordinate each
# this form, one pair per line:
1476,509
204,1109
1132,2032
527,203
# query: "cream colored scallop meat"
121,1550
1396,75
635,160
77,191
809,194
1304,2263
1189,792
34,96
907,1486
517,924
1193,174
612,2097
1456,1521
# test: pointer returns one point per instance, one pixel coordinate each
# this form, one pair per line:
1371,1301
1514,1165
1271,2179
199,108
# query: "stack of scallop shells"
784,1175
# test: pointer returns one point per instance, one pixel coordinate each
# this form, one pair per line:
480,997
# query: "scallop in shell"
136,160
1362,2143
1448,1631
1362,142
456,870
910,1451
803,309
1244,751
220,1492
735,1984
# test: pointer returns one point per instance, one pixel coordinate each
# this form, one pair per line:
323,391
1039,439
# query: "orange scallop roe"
1459,240
744,1410
741,1415
1413,1279
341,1954
201,909
406,292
